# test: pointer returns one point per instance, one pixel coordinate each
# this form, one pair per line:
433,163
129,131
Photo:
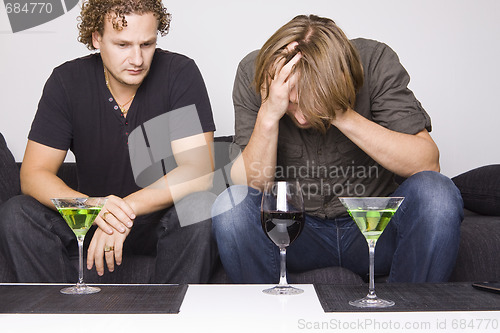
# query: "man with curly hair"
92,105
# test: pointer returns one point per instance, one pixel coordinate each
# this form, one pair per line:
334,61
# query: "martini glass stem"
283,280
371,251
80,283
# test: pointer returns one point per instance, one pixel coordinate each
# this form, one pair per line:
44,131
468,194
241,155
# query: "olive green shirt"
330,165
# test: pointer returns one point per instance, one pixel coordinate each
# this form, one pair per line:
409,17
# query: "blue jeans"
420,244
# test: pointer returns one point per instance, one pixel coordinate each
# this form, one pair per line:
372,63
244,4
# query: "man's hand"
116,214
283,82
106,247
277,94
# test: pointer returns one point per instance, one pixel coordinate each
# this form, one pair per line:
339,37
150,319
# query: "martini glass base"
283,290
80,290
372,302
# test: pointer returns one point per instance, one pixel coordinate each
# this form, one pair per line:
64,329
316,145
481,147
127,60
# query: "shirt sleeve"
52,123
393,104
189,89
246,103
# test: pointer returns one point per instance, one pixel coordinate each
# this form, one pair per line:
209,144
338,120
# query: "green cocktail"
79,219
372,214
371,222
79,214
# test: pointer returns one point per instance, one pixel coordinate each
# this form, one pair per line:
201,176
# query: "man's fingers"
118,253
290,47
99,263
91,255
284,70
105,250
113,221
121,217
288,69
121,211
117,202
103,224
278,66
109,254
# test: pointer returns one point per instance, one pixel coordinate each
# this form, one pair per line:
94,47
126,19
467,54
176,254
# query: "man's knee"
234,199
232,210
434,189
437,197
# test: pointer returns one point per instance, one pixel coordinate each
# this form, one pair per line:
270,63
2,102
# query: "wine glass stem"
283,280
80,262
371,249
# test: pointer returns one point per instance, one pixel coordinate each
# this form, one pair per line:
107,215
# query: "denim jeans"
420,244
39,246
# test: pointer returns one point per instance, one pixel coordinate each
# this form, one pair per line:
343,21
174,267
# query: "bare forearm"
39,174
44,185
194,173
257,163
169,189
400,153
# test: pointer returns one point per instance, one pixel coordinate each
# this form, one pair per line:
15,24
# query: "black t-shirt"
78,112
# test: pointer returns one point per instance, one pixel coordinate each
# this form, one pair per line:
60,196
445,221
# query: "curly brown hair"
94,12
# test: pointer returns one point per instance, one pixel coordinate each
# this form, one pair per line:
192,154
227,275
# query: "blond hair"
330,71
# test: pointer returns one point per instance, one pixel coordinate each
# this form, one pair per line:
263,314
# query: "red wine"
282,227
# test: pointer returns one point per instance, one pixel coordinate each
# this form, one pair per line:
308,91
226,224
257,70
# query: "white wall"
451,49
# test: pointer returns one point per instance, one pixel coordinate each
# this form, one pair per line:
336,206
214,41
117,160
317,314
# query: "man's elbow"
435,167
206,182
431,166
25,181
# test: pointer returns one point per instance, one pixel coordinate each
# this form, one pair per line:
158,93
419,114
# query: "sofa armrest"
9,174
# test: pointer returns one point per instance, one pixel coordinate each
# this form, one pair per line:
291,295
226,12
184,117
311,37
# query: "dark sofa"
479,253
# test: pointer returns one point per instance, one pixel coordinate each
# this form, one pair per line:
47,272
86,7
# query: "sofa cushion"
478,258
480,189
9,173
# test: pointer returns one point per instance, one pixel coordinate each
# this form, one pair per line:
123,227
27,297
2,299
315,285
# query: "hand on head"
283,81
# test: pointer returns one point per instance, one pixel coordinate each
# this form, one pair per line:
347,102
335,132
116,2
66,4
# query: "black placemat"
410,297
111,299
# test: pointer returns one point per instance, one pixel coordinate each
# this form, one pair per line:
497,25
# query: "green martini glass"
371,214
79,214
